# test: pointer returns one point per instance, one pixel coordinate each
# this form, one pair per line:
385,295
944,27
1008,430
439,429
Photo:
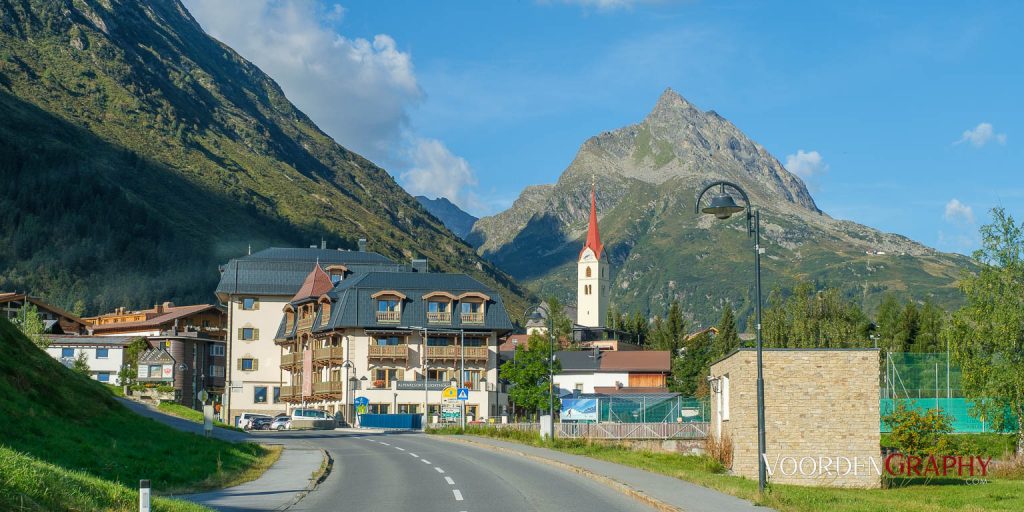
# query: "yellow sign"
450,392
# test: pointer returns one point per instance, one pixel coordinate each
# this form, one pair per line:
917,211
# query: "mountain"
647,176
456,220
139,153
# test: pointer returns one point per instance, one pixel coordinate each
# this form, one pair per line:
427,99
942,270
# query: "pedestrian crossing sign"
463,394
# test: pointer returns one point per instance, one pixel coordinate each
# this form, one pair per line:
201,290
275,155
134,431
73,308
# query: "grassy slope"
161,124
55,418
190,414
948,495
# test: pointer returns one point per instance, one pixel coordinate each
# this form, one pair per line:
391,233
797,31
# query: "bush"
165,389
719,449
914,433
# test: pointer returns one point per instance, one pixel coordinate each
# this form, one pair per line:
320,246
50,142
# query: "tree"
919,434
561,322
528,374
129,373
727,338
987,334
31,325
671,333
689,369
811,318
81,364
931,322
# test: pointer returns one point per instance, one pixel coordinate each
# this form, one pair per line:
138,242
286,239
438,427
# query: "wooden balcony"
306,324
325,356
328,390
289,361
291,393
388,352
442,317
389,317
455,352
472,318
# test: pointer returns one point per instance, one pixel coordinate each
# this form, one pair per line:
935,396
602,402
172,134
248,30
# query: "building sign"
143,371
579,409
412,385
451,410
168,372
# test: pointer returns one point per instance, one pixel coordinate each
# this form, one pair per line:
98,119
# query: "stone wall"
821,415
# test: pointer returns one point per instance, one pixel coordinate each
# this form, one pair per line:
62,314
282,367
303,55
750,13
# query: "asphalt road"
414,472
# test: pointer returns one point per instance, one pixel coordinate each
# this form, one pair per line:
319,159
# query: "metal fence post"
144,496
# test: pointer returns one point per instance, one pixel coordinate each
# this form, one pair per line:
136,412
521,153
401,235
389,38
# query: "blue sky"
901,117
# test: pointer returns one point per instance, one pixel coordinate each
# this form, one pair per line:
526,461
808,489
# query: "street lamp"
536,316
722,206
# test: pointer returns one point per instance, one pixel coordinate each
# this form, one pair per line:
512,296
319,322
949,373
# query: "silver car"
281,423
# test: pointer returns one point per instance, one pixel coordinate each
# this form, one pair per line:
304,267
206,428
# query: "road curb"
614,484
327,465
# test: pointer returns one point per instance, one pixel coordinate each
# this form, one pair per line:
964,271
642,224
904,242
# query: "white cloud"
806,164
611,5
958,212
357,90
981,135
436,172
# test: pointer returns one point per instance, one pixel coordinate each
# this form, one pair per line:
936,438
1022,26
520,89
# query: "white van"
245,419
309,414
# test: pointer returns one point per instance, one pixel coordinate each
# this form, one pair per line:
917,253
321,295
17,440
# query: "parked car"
261,423
281,423
245,420
310,414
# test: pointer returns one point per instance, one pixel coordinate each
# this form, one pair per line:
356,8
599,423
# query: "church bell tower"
592,274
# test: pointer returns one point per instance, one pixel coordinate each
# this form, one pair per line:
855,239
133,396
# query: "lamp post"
536,316
723,206
350,381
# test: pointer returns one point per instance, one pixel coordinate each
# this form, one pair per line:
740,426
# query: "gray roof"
353,305
281,271
579,360
57,340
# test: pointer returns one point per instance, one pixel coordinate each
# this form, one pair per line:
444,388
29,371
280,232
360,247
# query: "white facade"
104,361
592,291
252,324
566,383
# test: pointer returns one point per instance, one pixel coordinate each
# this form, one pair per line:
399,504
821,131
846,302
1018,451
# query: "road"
415,472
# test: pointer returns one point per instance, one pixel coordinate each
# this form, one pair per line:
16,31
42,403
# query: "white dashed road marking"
425,461
400,448
439,470
449,480
458,494
383,443
413,454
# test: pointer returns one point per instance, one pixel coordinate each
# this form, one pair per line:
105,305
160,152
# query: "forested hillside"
139,153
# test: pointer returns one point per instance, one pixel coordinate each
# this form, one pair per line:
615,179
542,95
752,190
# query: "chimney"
419,265
362,245
159,308
168,305
323,243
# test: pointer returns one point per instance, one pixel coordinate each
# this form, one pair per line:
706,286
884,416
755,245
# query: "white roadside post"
204,396
144,496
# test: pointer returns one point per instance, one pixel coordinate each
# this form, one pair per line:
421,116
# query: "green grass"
908,496
990,444
92,449
191,415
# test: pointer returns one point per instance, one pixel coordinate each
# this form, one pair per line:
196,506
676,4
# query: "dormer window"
389,306
337,273
472,307
439,307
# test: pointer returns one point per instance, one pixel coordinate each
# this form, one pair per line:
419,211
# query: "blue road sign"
362,400
463,394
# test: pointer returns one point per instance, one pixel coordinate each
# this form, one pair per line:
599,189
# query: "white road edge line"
449,480
439,470
458,494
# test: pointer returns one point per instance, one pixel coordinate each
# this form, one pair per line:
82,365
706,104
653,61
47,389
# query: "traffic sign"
203,396
449,392
463,394
362,400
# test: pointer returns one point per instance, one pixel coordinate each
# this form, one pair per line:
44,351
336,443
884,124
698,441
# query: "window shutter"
239,366
255,304
255,364
255,334
239,333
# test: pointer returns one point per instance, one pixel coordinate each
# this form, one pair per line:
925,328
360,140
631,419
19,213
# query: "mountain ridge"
454,218
647,175
156,113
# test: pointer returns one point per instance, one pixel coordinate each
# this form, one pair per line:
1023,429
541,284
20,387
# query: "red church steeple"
593,236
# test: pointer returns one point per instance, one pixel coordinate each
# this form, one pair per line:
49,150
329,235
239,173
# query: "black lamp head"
722,206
